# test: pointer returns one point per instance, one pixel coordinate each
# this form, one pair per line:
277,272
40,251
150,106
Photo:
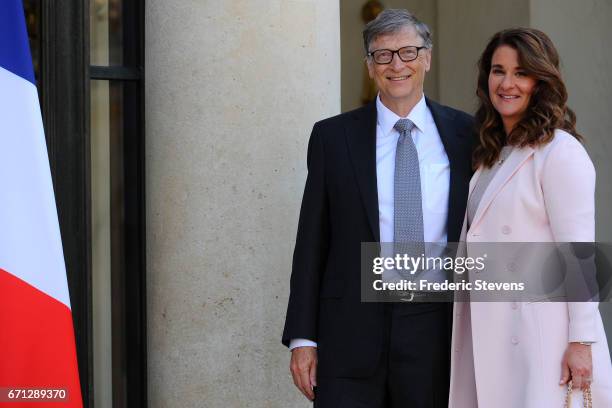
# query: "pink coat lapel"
505,173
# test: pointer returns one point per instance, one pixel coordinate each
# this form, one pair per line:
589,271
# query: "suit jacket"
339,211
508,354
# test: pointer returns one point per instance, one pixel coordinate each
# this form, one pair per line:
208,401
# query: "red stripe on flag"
37,348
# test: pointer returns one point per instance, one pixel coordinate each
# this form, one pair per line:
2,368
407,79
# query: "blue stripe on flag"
14,46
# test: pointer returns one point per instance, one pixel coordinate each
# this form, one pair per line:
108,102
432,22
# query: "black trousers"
414,369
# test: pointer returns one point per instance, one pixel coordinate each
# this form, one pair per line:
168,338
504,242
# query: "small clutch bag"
587,401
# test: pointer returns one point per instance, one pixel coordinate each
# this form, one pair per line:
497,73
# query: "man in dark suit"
362,166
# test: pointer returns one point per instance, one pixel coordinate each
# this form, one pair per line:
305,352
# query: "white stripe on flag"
30,244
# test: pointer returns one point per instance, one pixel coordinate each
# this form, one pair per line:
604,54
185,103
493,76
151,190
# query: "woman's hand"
577,365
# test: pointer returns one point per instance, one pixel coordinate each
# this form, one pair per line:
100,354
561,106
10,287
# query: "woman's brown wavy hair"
547,109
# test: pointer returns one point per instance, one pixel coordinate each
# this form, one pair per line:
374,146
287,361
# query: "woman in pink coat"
534,183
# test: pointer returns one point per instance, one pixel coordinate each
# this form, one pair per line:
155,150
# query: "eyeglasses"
406,54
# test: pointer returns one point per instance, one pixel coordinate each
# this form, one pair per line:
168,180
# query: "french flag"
37,348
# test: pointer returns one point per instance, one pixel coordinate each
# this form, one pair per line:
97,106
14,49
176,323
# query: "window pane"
115,241
106,33
101,243
107,198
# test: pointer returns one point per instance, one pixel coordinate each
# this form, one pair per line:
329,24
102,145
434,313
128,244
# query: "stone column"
232,91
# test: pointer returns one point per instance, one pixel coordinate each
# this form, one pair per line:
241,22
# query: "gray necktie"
408,211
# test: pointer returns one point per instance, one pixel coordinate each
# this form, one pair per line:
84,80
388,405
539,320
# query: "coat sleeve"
568,185
311,248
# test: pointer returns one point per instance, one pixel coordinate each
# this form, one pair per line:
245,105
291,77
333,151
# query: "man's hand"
577,365
304,369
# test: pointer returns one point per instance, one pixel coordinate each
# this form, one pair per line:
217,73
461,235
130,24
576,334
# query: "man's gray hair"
391,21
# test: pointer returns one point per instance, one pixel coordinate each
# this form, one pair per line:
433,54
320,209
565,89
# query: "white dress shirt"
435,176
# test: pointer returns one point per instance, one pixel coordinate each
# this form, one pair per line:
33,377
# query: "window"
88,58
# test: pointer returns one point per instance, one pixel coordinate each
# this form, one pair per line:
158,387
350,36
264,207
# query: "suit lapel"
457,189
361,142
505,173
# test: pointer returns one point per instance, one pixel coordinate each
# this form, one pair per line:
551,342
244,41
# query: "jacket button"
511,267
506,230
514,305
514,340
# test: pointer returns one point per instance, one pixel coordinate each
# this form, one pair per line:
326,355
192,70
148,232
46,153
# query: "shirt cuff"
301,343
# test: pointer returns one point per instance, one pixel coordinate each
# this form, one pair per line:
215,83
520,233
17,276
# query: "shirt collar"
386,118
